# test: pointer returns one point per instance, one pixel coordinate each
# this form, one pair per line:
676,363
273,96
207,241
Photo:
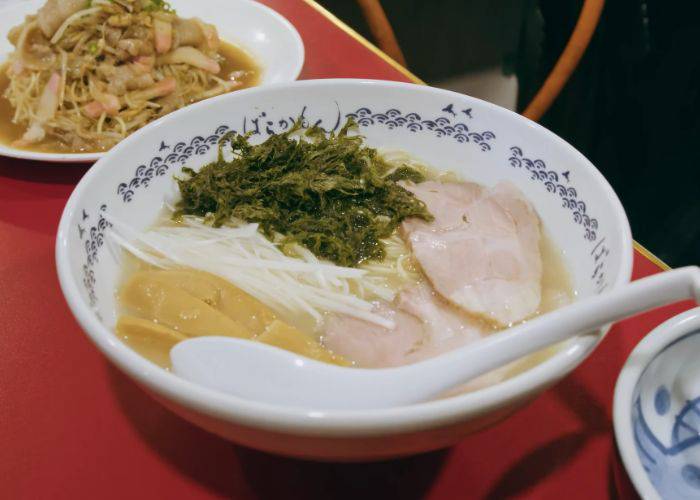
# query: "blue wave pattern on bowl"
94,239
555,183
441,126
673,470
448,122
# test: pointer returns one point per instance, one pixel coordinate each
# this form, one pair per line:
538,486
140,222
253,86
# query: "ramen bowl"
479,141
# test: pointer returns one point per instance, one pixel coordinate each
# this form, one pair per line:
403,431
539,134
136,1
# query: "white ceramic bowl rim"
297,46
330,423
662,337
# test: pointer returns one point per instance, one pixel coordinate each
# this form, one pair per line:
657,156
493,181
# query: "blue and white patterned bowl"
657,410
478,140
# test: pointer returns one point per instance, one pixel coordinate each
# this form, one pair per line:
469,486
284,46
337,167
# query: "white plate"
267,36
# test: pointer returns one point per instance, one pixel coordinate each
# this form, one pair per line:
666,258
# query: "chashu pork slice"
482,250
426,326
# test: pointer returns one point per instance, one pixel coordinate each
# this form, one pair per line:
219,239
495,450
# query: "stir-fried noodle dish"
86,73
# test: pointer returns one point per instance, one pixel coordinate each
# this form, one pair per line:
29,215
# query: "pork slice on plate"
482,250
426,326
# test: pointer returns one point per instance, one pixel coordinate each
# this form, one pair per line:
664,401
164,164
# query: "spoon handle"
583,316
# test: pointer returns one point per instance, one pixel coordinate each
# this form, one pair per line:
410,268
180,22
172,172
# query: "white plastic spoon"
256,371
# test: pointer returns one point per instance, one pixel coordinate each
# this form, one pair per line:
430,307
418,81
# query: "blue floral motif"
667,467
441,126
159,165
666,429
662,400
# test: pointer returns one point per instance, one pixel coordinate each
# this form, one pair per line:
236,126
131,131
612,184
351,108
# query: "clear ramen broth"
235,63
557,291
303,335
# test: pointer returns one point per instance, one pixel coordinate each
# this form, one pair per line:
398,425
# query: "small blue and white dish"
657,411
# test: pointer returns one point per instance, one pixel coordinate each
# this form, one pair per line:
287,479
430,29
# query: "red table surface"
72,426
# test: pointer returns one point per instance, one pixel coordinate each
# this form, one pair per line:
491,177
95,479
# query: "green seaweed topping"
327,192
406,173
158,5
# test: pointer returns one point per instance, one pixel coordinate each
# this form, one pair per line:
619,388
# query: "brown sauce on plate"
239,63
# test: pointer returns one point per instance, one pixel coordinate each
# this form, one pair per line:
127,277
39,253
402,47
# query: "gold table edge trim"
401,69
364,42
